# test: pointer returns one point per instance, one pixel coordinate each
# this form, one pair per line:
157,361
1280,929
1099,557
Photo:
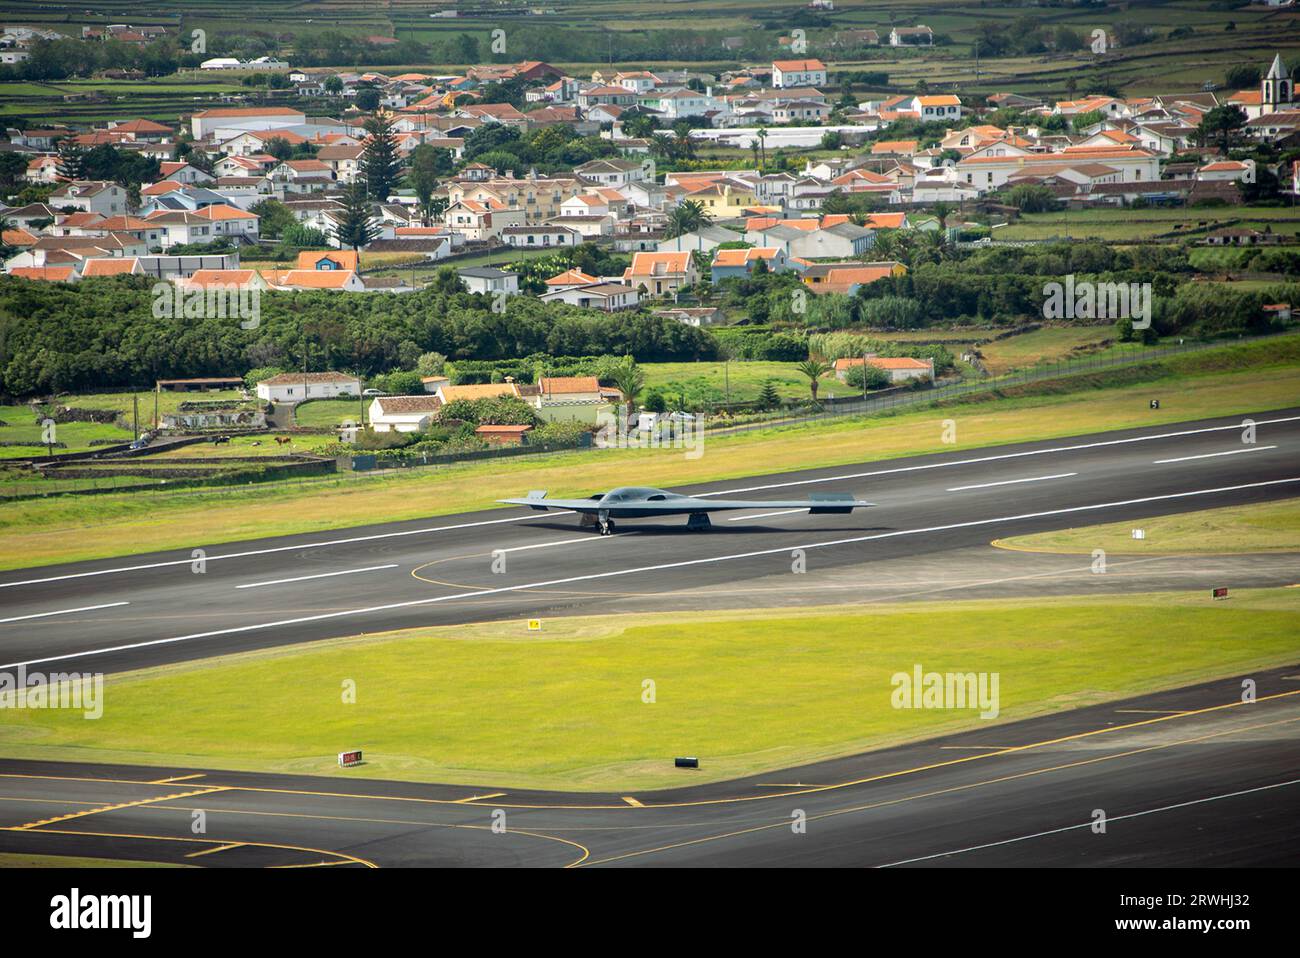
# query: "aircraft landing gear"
698,522
606,525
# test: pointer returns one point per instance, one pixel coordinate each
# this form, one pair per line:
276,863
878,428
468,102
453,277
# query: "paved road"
1187,777
150,609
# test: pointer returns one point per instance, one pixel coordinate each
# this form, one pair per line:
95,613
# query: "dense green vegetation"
102,333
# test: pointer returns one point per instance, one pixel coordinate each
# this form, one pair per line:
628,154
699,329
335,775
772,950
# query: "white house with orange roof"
990,167
792,73
43,170
181,172
900,368
206,124
1239,171
661,274
477,220
231,221
296,387
928,108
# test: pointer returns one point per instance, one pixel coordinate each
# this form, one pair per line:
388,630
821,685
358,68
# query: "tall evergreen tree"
71,161
356,229
380,164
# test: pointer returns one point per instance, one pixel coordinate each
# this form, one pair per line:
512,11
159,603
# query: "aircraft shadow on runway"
630,525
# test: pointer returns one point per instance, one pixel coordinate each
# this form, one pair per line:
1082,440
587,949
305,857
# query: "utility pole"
157,388
135,416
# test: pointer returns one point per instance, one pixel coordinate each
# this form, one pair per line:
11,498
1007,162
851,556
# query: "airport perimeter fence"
912,399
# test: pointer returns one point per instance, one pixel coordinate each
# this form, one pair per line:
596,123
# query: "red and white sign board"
348,759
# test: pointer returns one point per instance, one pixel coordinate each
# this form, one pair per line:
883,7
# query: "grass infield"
495,705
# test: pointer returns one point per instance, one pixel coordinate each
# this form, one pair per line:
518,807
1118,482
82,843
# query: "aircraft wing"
817,504
542,505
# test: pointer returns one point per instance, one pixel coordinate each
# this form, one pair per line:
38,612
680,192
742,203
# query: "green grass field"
493,704
328,413
742,381
1125,224
1227,381
1263,527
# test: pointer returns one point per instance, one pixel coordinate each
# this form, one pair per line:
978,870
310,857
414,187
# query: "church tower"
1276,88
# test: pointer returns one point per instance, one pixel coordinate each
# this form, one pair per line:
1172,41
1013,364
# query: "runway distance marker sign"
348,759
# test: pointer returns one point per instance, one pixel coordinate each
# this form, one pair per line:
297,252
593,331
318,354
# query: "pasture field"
1125,224
746,691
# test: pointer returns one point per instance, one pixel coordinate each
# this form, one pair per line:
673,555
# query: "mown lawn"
328,413
745,691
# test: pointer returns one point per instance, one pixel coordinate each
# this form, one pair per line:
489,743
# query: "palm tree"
684,145
687,217
662,146
762,143
814,369
629,380
942,211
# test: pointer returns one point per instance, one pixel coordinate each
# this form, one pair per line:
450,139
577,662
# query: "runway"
1194,776
144,610
1188,777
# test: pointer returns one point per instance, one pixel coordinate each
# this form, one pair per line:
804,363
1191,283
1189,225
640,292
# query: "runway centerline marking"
775,485
351,540
318,575
1212,455
638,570
998,458
1090,823
1012,482
84,608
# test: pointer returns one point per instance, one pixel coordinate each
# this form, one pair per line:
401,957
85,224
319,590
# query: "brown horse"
282,440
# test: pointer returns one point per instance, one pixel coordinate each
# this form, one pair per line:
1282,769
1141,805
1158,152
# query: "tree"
427,164
1241,77
355,227
687,217
431,364
333,85
273,218
865,376
71,161
1224,124
768,397
380,165
628,379
814,369
942,210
